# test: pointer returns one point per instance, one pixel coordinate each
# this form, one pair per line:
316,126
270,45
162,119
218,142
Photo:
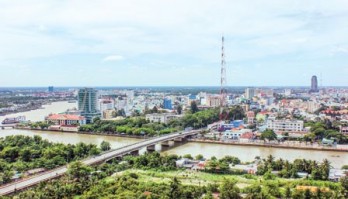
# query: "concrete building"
50,89
287,92
106,105
162,117
285,125
213,101
108,114
249,93
66,120
167,104
314,85
251,117
312,106
87,103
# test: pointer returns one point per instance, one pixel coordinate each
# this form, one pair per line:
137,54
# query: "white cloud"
112,58
160,30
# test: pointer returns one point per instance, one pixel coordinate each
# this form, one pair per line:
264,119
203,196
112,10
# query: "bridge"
115,153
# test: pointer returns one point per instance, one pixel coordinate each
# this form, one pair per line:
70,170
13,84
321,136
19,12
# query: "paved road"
24,183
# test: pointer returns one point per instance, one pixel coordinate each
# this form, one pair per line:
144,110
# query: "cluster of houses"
200,165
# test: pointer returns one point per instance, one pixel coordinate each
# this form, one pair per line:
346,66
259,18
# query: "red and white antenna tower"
223,91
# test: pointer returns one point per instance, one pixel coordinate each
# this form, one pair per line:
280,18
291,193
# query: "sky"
173,42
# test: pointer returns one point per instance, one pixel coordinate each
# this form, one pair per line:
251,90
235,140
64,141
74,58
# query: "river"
245,153
39,114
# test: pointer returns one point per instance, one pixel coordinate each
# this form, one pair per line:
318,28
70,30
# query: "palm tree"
325,169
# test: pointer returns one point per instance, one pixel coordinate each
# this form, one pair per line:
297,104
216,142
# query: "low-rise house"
200,165
66,120
247,136
186,163
250,168
235,133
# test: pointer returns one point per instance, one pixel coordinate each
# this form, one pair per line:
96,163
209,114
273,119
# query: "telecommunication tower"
223,91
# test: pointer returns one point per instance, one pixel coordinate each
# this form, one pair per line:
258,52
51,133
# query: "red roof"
64,117
247,135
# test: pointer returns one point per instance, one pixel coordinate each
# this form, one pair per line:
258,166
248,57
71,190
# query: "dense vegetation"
141,126
21,153
325,129
286,169
154,176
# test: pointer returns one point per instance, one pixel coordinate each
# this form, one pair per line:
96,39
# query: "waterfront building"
285,125
238,124
314,85
87,103
249,93
66,120
167,104
235,133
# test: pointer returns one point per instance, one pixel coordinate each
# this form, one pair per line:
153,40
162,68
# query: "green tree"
77,170
344,185
229,190
105,146
199,157
174,191
269,135
179,109
194,107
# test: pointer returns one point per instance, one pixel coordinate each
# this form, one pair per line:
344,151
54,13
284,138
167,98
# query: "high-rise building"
87,103
167,104
249,93
213,101
314,85
50,89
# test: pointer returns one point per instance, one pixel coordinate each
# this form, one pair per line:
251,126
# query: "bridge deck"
33,180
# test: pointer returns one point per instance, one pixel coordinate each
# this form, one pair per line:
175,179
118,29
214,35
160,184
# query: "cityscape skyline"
110,43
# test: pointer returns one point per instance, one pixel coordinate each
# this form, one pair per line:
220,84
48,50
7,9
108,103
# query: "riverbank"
32,107
39,114
254,144
270,145
86,133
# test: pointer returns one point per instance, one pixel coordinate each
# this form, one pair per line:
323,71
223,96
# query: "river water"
39,114
245,153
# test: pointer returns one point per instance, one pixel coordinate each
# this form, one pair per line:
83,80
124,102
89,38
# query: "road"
33,180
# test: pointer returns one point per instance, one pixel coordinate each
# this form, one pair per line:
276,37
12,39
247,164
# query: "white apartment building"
285,125
162,117
249,93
